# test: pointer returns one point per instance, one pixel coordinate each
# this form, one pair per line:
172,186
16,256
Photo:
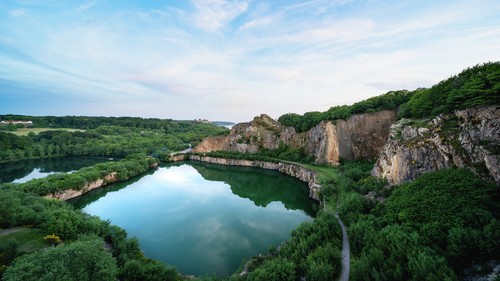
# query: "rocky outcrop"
261,133
294,170
360,136
469,138
72,193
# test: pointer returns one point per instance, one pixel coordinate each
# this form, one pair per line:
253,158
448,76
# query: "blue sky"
231,60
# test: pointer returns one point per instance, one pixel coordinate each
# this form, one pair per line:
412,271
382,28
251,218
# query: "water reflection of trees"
19,169
82,201
260,186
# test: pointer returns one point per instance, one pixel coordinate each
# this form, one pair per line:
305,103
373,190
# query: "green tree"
274,270
147,269
11,127
78,261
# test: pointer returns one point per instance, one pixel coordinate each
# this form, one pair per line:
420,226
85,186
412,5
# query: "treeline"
113,141
388,101
428,229
475,86
91,122
92,249
124,169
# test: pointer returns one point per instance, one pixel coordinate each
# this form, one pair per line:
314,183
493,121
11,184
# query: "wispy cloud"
18,12
87,5
232,60
212,15
259,22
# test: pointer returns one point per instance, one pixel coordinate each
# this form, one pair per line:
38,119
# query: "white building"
25,123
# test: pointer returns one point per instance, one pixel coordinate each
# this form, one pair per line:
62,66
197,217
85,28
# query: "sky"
231,60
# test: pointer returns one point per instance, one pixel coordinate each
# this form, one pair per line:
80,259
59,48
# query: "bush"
82,260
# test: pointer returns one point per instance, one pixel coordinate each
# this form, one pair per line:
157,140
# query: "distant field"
26,131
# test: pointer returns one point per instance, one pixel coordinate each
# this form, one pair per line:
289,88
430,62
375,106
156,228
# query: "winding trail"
346,258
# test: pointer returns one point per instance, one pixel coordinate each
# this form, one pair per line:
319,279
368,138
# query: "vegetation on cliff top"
475,86
388,101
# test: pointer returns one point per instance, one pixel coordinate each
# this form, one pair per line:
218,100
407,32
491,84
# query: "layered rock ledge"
469,138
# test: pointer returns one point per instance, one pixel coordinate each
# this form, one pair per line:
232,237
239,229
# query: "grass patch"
326,174
329,177
36,131
27,240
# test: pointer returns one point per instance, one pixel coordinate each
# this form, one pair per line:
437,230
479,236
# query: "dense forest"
429,229
475,86
105,140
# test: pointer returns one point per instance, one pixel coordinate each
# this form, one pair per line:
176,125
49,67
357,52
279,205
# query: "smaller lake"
26,170
204,218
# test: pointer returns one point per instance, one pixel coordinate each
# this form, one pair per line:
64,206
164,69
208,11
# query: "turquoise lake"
204,218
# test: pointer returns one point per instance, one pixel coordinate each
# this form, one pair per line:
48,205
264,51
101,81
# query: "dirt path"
4,232
346,258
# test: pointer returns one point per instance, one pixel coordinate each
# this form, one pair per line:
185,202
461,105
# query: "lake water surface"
25,170
204,218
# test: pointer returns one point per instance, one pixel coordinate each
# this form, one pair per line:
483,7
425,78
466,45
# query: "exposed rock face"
361,136
214,143
469,138
72,193
261,132
294,170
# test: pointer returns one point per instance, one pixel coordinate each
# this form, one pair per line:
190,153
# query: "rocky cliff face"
469,138
361,136
261,132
